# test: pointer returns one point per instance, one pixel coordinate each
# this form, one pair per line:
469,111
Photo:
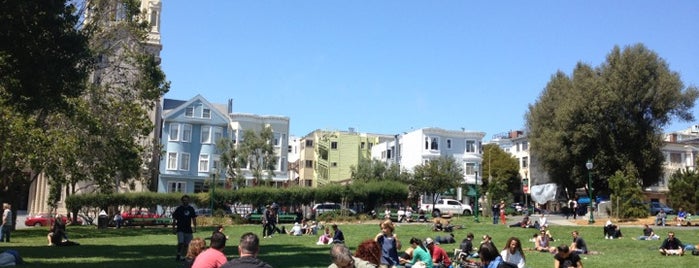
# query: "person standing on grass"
248,248
6,223
496,212
503,219
212,257
389,243
182,220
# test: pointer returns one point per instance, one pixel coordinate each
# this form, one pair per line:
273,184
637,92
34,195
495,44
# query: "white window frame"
184,161
470,146
449,145
470,168
176,186
217,133
205,112
189,111
205,139
204,162
174,134
171,161
186,133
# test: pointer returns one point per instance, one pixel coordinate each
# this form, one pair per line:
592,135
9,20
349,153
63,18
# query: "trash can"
102,220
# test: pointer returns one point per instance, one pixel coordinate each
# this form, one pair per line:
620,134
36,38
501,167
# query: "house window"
449,144
333,145
309,163
184,161
289,149
525,146
427,143
205,113
174,132
218,134
275,140
434,145
388,154
189,112
525,162
334,164
204,163
282,164
186,132
176,186
470,146
217,162
371,144
676,158
362,145
470,169
309,143
205,134
171,161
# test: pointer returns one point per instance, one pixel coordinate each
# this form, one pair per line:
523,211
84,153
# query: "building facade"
423,145
327,156
192,161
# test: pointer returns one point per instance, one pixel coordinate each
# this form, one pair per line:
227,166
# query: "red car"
45,219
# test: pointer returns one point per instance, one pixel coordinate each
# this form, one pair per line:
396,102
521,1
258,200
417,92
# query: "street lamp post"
213,188
589,189
475,213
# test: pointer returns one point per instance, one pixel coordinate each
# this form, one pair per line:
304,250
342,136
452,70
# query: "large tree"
684,190
612,114
500,174
436,176
256,152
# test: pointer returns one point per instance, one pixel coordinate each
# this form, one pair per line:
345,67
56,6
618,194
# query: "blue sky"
392,66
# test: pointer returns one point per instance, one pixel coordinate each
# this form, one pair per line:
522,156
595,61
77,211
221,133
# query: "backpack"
695,252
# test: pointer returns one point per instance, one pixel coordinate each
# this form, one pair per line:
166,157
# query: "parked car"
656,206
143,218
46,219
445,206
319,209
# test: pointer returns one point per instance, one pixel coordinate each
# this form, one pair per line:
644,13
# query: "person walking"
6,223
184,218
496,212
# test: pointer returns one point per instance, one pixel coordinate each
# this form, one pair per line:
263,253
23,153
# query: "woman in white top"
513,253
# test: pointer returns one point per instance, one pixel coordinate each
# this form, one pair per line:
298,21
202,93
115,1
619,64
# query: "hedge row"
369,193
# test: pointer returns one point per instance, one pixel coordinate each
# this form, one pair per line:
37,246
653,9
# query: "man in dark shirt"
466,248
579,244
339,237
248,248
566,258
671,245
183,218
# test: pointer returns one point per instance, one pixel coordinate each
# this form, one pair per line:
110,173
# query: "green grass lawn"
155,247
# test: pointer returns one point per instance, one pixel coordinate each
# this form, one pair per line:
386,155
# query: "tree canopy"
613,114
500,173
368,170
684,190
437,176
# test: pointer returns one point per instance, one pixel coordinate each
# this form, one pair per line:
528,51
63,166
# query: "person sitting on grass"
611,231
513,253
342,257
565,258
578,244
671,245
648,234
296,230
325,238
196,246
338,236
57,233
466,248
542,243
419,254
212,257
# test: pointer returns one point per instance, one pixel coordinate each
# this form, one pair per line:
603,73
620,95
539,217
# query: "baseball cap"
429,241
